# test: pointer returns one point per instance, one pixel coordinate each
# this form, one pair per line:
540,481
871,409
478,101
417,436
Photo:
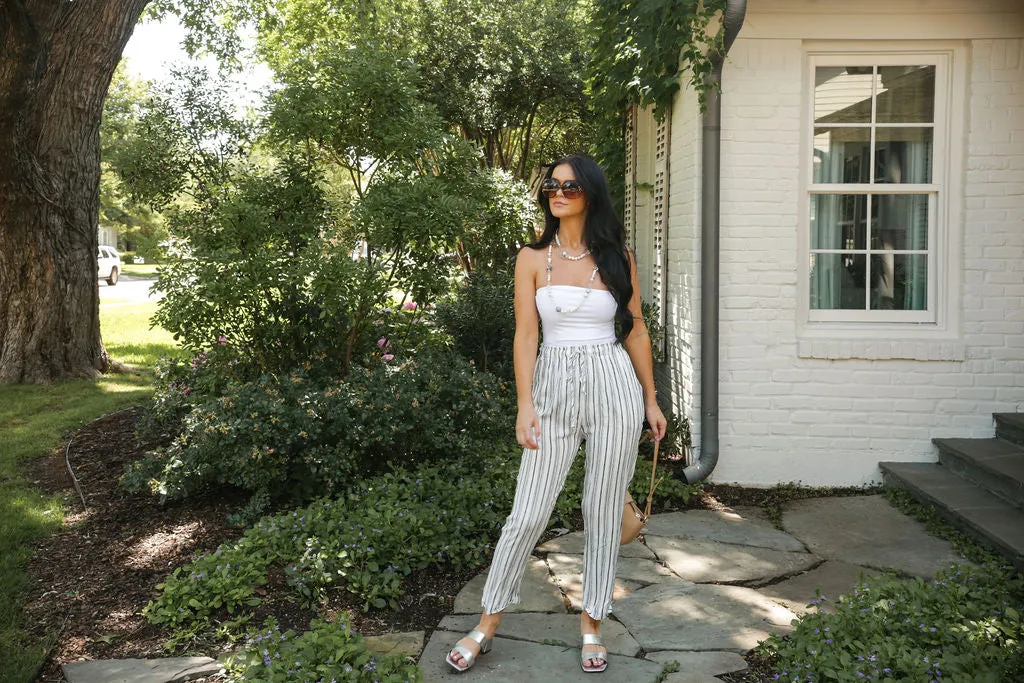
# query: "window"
875,188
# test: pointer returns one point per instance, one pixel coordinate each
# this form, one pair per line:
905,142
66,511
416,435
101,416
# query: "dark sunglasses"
570,188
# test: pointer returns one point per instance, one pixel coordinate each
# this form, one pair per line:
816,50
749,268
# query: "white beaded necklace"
590,287
565,254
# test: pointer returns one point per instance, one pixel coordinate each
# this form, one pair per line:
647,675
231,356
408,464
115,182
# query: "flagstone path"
703,588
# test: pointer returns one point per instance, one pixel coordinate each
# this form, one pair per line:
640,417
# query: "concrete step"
1010,426
996,465
968,507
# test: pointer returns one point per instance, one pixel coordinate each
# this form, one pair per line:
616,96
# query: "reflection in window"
873,129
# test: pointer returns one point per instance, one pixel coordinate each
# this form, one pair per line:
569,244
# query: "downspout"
710,219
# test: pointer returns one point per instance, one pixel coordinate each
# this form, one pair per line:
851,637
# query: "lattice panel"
659,256
629,208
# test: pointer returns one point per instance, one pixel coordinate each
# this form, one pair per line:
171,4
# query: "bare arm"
524,347
638,346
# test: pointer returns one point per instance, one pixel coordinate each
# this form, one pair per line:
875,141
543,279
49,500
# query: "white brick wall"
786,416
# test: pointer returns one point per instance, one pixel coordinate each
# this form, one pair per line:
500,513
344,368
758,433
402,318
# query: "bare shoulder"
528,259
528,264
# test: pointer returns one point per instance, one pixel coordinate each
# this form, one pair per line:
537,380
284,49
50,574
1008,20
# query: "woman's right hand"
528,428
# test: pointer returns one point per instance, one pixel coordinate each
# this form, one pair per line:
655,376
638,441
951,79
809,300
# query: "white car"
108,265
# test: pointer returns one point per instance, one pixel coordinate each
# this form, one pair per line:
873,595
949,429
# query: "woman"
577,281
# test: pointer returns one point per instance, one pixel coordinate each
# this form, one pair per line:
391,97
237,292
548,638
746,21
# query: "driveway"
130,289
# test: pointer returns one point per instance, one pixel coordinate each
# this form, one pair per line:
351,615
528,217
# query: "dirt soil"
91,580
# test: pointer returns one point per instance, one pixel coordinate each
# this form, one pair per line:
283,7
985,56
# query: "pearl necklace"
565,254
590,287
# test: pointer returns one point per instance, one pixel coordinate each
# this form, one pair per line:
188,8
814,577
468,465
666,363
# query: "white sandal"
593,639
468,658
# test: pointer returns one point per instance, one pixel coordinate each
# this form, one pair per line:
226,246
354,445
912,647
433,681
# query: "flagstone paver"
723,527
169,670
632,569
408,643
572,544
867,531
681,615
833,578
701,663
549,629
708,561
537,593
520,661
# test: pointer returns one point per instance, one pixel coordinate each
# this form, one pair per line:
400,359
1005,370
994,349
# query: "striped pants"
580,392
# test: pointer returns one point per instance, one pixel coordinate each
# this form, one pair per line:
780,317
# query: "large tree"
57,58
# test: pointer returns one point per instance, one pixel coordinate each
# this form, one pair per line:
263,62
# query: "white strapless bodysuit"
592,323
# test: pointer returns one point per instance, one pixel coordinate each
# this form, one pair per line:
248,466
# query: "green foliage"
507,77
480,319
329,650
965,625
294,437
656,331
365,541
140,229
641,52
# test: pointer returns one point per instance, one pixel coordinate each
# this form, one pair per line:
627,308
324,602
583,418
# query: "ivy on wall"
642,48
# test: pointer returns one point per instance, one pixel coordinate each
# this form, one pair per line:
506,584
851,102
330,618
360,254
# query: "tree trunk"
56,61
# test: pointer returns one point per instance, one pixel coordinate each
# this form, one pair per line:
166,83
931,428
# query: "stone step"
966,506
996,465
1010,426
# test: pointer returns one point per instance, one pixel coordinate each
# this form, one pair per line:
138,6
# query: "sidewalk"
704,588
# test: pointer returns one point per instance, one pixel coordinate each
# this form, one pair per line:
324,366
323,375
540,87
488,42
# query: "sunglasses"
570,188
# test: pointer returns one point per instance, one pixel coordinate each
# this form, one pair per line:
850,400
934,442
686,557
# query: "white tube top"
592,323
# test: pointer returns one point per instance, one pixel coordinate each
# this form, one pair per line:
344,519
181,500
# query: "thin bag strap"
654,467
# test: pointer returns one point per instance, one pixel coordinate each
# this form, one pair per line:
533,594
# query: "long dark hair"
602,232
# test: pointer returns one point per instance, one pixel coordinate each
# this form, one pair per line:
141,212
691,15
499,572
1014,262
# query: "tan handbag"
633,520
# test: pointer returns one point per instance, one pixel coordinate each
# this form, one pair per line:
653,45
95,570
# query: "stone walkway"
703,588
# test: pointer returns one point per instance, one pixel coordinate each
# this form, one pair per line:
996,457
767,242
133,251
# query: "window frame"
941,316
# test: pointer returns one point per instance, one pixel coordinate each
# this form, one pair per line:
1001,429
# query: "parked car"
108,265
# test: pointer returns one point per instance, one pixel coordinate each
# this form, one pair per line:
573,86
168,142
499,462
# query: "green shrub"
293,438
365,541
965,625
329,651
480,319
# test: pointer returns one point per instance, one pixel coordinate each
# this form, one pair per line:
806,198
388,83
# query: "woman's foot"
477,642
593,654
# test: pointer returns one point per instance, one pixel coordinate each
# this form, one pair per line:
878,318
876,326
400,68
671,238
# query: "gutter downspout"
710,219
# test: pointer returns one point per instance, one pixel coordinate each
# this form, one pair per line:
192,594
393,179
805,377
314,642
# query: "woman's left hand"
657,420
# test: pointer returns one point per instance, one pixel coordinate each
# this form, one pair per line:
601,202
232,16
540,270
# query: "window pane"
900,222
842,94
899,282
903,155
842,155
906,94
839,221
837,281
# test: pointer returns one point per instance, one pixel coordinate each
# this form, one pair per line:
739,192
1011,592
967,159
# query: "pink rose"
389,356
222,340
382,342
410,306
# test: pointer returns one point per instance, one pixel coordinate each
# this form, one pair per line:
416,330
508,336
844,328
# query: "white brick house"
872,234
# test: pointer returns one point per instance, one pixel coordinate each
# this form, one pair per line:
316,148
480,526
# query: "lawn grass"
38,419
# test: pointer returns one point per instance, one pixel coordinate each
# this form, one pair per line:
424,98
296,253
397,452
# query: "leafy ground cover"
36,420
965,625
